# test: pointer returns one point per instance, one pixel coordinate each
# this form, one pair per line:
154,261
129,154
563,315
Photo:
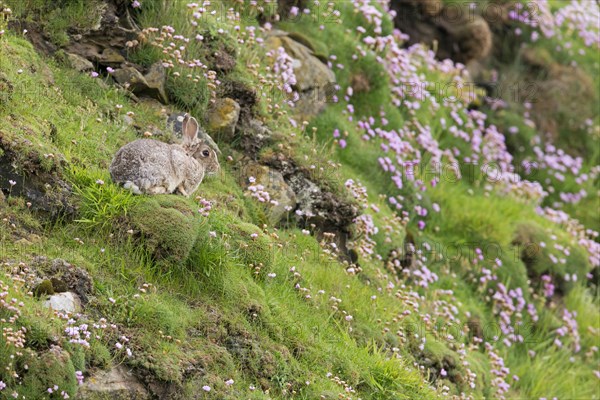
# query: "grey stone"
65,302
274,184
117,383
79,63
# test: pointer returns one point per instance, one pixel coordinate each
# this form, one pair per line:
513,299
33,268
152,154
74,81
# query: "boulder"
115,384
156,78
152,84
460,35
66,277
64,302
253,136
42,186
78,63
314,79
106,42
282,197
223,117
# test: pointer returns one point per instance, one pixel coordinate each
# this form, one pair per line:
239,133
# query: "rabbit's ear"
190,128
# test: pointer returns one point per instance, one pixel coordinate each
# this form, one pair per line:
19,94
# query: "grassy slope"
210,310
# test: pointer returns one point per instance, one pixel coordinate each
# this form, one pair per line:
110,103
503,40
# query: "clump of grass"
103,205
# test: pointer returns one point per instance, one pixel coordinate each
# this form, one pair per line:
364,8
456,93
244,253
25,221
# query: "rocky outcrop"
64,276
222,118
314,80
64,302
152,84
78,63
24,175
116,384
281,199
460,34
318,208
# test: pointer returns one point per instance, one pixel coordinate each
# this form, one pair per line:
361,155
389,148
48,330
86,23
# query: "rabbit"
147,166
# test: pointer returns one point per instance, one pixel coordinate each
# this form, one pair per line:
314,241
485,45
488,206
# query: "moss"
168,227
44,288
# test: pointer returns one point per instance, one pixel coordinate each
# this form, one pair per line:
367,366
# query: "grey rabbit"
154,167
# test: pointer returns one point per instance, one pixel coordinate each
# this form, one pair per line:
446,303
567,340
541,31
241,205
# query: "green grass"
214,310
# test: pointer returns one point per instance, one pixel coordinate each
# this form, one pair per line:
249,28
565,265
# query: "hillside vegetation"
387,223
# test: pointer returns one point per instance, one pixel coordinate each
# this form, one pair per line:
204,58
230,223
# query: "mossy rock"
53,367
167,226
44,288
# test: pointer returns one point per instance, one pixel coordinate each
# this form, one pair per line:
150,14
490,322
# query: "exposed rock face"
152,84
253,135
79,63
461,35
316,205
42,186
116,384
314,80
64,302
66,276
106,43
222,118
283,198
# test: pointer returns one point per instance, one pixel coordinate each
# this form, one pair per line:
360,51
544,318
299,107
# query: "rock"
314,80
65,302
175,123
110,57
243,94
66,276
330,213
254,136
461,36
42,186
283,198
221,61
131,76
105,43
467,41
78,63
152,84
128,120
222,118
156,78
117,383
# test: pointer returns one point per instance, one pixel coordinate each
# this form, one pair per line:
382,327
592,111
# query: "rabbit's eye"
205,153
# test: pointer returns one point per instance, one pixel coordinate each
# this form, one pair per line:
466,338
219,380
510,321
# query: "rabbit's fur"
153,167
